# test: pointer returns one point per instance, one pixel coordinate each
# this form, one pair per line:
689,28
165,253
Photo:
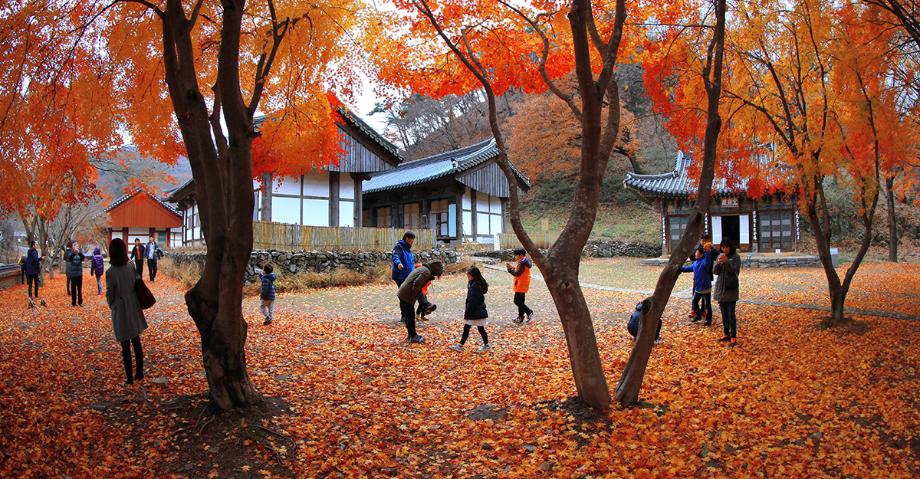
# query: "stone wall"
594,249
290,262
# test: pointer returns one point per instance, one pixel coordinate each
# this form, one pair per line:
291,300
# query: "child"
267,295
74,260
702,284
728,267
521,272
424,307
98,268
475,313
409,292
633,325
33,272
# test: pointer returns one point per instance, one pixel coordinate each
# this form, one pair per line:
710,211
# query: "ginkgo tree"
191,77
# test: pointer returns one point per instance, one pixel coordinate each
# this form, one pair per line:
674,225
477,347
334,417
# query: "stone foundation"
759,261
290,262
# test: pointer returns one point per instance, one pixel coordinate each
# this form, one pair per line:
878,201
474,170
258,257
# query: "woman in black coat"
475,313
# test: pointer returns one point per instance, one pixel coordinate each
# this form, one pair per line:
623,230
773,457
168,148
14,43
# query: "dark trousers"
408,315
152,268
138,358
76,290
68,285
139,267
729,321
423,303
522,308
22,279
703,302
32,278
466,334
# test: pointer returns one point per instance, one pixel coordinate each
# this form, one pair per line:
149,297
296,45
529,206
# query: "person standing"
267,293
521,272
403,261
74,259
98,268
475,313
22,269
138,254
408,294
702,285
33,272
152,253
128,320
726,291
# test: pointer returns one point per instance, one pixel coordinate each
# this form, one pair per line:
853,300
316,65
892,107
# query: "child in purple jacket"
98,268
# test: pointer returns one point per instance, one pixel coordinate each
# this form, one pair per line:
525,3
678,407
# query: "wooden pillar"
458,217
357,178
473,221
334,194
506,217
426,213
266,214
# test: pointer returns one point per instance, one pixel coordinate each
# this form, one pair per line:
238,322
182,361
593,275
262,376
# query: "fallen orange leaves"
790,401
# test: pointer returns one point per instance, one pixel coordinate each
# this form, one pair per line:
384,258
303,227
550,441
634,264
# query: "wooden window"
383,217
677,226
775,230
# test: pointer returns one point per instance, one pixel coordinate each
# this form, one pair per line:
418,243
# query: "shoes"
694,319
529,318
658,341
267,322
139,376
708,323
42,302
733,342
31,303
456,347
417,339
430,309
517,320
422,317
485,347
724,339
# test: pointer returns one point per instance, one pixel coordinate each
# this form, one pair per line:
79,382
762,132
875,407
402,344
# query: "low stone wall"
593,249
288,262
756,261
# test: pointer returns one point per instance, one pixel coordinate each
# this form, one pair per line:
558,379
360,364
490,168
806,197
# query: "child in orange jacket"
520,269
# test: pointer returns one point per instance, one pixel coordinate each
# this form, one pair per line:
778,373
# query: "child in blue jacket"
702,285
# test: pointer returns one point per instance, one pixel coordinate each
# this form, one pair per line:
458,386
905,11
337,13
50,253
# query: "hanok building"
323,197
139,215
767,224
461,194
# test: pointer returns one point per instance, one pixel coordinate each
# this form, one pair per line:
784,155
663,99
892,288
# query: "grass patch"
185,273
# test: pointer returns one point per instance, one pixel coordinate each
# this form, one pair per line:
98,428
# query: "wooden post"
357,178
334,195
266,197
458,217
473,221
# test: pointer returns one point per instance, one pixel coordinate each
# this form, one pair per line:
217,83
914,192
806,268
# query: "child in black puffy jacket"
475,313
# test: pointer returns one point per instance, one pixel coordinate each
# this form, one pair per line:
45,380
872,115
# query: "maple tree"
454,47
818,93
190,78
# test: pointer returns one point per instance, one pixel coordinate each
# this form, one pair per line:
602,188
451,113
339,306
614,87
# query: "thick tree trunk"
563,285
892,220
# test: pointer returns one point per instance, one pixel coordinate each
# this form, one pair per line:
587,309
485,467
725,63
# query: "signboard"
730,202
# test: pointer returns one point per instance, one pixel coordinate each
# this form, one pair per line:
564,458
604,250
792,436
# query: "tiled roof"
436,166
127,196
677,183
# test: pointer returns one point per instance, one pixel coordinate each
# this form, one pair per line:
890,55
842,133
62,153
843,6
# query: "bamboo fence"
288,237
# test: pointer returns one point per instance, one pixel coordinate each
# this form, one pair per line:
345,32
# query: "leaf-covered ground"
348,398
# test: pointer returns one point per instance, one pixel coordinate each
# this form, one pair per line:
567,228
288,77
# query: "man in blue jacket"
403,259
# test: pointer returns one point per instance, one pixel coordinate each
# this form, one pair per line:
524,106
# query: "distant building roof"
130,195
437,166
677,183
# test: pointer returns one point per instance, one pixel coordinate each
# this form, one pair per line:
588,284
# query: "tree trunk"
892,220
563,285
